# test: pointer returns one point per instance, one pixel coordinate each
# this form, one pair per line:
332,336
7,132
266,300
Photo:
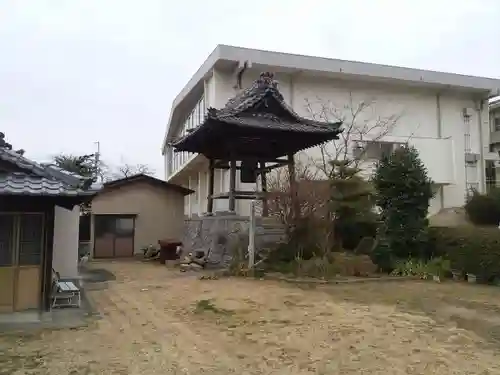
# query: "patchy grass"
475,308
207,305
13,360
159,321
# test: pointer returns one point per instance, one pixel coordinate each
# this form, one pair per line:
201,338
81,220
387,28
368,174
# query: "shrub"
472,250
353,232
418,267
403,193
332,265
320,267
353,265
303,240
410,267
484,209
350,205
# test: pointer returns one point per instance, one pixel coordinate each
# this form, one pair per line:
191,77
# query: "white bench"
65,293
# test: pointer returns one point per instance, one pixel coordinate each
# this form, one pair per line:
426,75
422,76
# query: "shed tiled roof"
39,179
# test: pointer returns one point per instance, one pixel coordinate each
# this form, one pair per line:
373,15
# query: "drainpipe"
438,115
439,121
482,167
243,65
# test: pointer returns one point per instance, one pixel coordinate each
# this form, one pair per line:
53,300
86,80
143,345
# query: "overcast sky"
73,72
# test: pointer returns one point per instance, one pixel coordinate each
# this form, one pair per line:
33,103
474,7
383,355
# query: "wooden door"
124,236
21,248
114,236
29,262
7,237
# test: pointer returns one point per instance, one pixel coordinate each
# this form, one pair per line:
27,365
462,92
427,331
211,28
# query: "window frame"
496,123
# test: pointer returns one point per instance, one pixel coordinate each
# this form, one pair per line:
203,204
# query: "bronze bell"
249,171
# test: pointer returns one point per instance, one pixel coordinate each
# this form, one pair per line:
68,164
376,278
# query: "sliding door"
21,248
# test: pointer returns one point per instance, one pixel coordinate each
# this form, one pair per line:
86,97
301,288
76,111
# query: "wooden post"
294,204
251,238
232,185
211,182
263,181
48,254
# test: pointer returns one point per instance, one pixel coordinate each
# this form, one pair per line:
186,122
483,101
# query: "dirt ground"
159,321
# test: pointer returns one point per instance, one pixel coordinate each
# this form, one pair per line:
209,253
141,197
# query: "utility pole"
97,156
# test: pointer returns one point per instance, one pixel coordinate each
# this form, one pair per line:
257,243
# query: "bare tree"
361,125
311,193
128,170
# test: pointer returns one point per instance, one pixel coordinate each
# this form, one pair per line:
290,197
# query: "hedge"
474,250
484,209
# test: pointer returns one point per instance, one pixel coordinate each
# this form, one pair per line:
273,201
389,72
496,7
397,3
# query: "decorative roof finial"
3,143
267,79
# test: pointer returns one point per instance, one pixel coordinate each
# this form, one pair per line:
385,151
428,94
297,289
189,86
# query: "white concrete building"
495,124
493,166
445,116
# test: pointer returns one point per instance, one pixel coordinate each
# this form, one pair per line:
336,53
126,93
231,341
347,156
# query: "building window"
377,150
496,122
193,120
196,116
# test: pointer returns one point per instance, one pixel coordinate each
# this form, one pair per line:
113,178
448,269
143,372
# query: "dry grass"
158,321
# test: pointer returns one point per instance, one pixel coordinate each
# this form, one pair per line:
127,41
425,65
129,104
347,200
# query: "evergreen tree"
83,165
403,191
351,204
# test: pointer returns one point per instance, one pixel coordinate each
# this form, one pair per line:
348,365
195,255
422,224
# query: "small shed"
38,228
134,212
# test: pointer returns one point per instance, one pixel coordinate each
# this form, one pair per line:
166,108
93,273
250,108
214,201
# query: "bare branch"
310,193
127,170
361,125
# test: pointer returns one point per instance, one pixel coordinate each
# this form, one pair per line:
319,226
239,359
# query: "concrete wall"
160,212
66,230
432,121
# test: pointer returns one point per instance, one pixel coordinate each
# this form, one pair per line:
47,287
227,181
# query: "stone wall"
222,233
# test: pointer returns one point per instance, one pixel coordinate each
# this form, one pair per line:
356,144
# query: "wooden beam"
232,186
211,182
48,254
224,164
263,182
240,195
269,168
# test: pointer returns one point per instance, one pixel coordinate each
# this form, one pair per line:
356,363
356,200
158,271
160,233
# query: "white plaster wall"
438,134
66,230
